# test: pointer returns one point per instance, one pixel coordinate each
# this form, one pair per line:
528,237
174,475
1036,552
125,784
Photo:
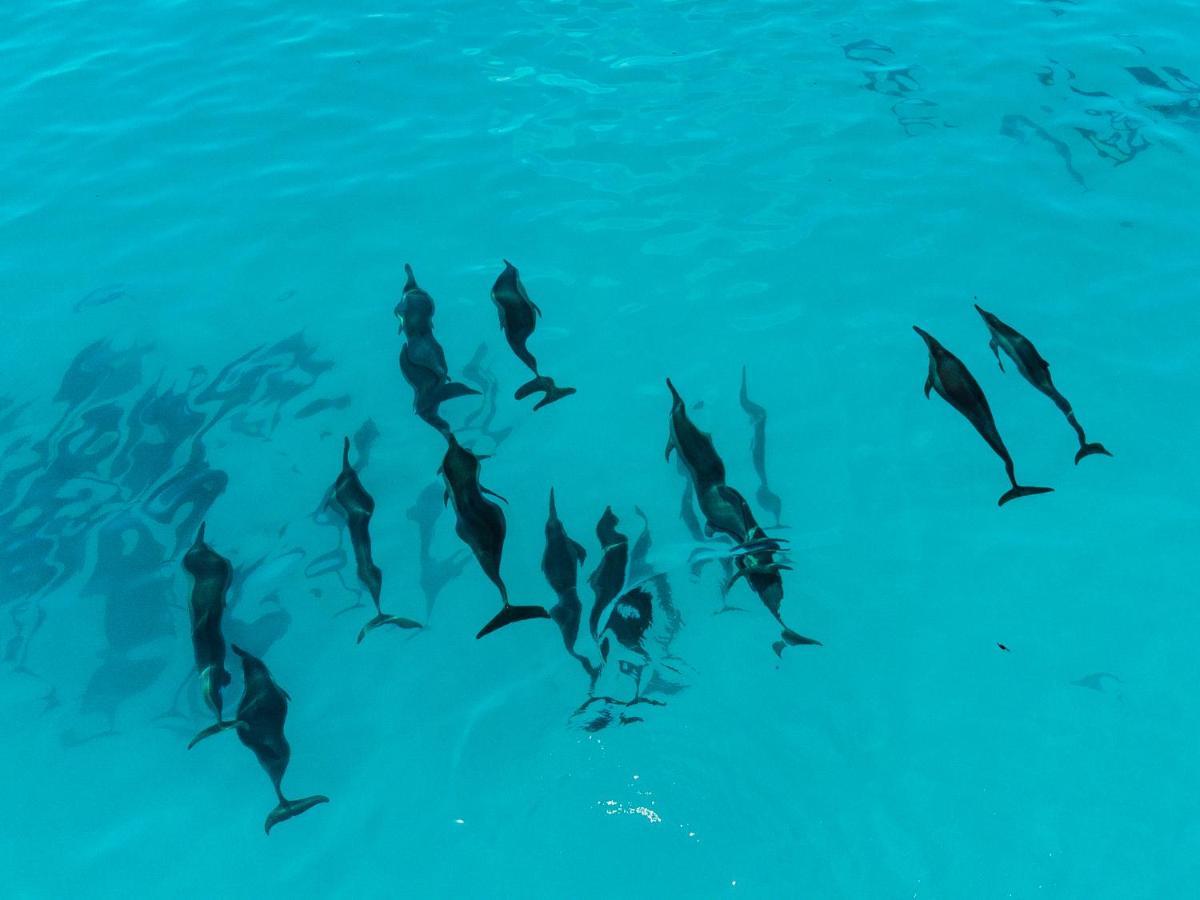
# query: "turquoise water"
204,215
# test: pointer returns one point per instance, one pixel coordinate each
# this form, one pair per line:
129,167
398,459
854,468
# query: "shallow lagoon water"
205,214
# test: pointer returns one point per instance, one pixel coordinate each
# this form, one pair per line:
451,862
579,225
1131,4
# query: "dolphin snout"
925,335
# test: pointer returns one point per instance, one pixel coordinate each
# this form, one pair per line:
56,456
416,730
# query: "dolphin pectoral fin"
446,497
510,614
670,447
580,553
289,809
740,573
928,384
1022,491
1091,450
536,309
381,619
208,732
995,348
493,493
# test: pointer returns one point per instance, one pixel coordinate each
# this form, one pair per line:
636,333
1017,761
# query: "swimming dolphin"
422,359
351,499
610,573
954,384
260,717
767,498
212,575
1036,371
695,447
560,564
480,525
761,571
518,318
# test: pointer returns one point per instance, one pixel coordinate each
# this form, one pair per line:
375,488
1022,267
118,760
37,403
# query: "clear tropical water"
204,215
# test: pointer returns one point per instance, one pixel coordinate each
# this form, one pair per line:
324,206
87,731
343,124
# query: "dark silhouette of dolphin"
560,564
212,574
422,359
351,499
518,318
954,384
1037,372
480,524
610,573
260,717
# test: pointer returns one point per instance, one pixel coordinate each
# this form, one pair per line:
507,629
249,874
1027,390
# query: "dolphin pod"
633,617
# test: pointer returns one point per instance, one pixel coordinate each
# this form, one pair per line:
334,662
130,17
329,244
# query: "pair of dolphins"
726,512
423,361
955,384
263,708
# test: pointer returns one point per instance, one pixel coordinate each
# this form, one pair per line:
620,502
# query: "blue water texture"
205,214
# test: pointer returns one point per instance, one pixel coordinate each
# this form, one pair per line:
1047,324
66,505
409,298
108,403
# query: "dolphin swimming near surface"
611,572
351,499
212,575
422,359
1037,372
260,717
560,564
481,526
518,318
695,447
954,384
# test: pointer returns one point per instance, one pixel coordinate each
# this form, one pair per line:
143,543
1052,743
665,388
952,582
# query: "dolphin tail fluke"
1020,490
545,384
535,384
381,619
454,389
510,614
1091,450
215,728
791,639
289,809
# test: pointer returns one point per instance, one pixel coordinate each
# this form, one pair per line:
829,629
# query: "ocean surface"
205,213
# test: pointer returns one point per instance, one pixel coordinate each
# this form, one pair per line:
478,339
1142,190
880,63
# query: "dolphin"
518,318
1037,372
211,576
422,359
260,717
480,525
610,573
560,564
351,499
954,384
695,447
